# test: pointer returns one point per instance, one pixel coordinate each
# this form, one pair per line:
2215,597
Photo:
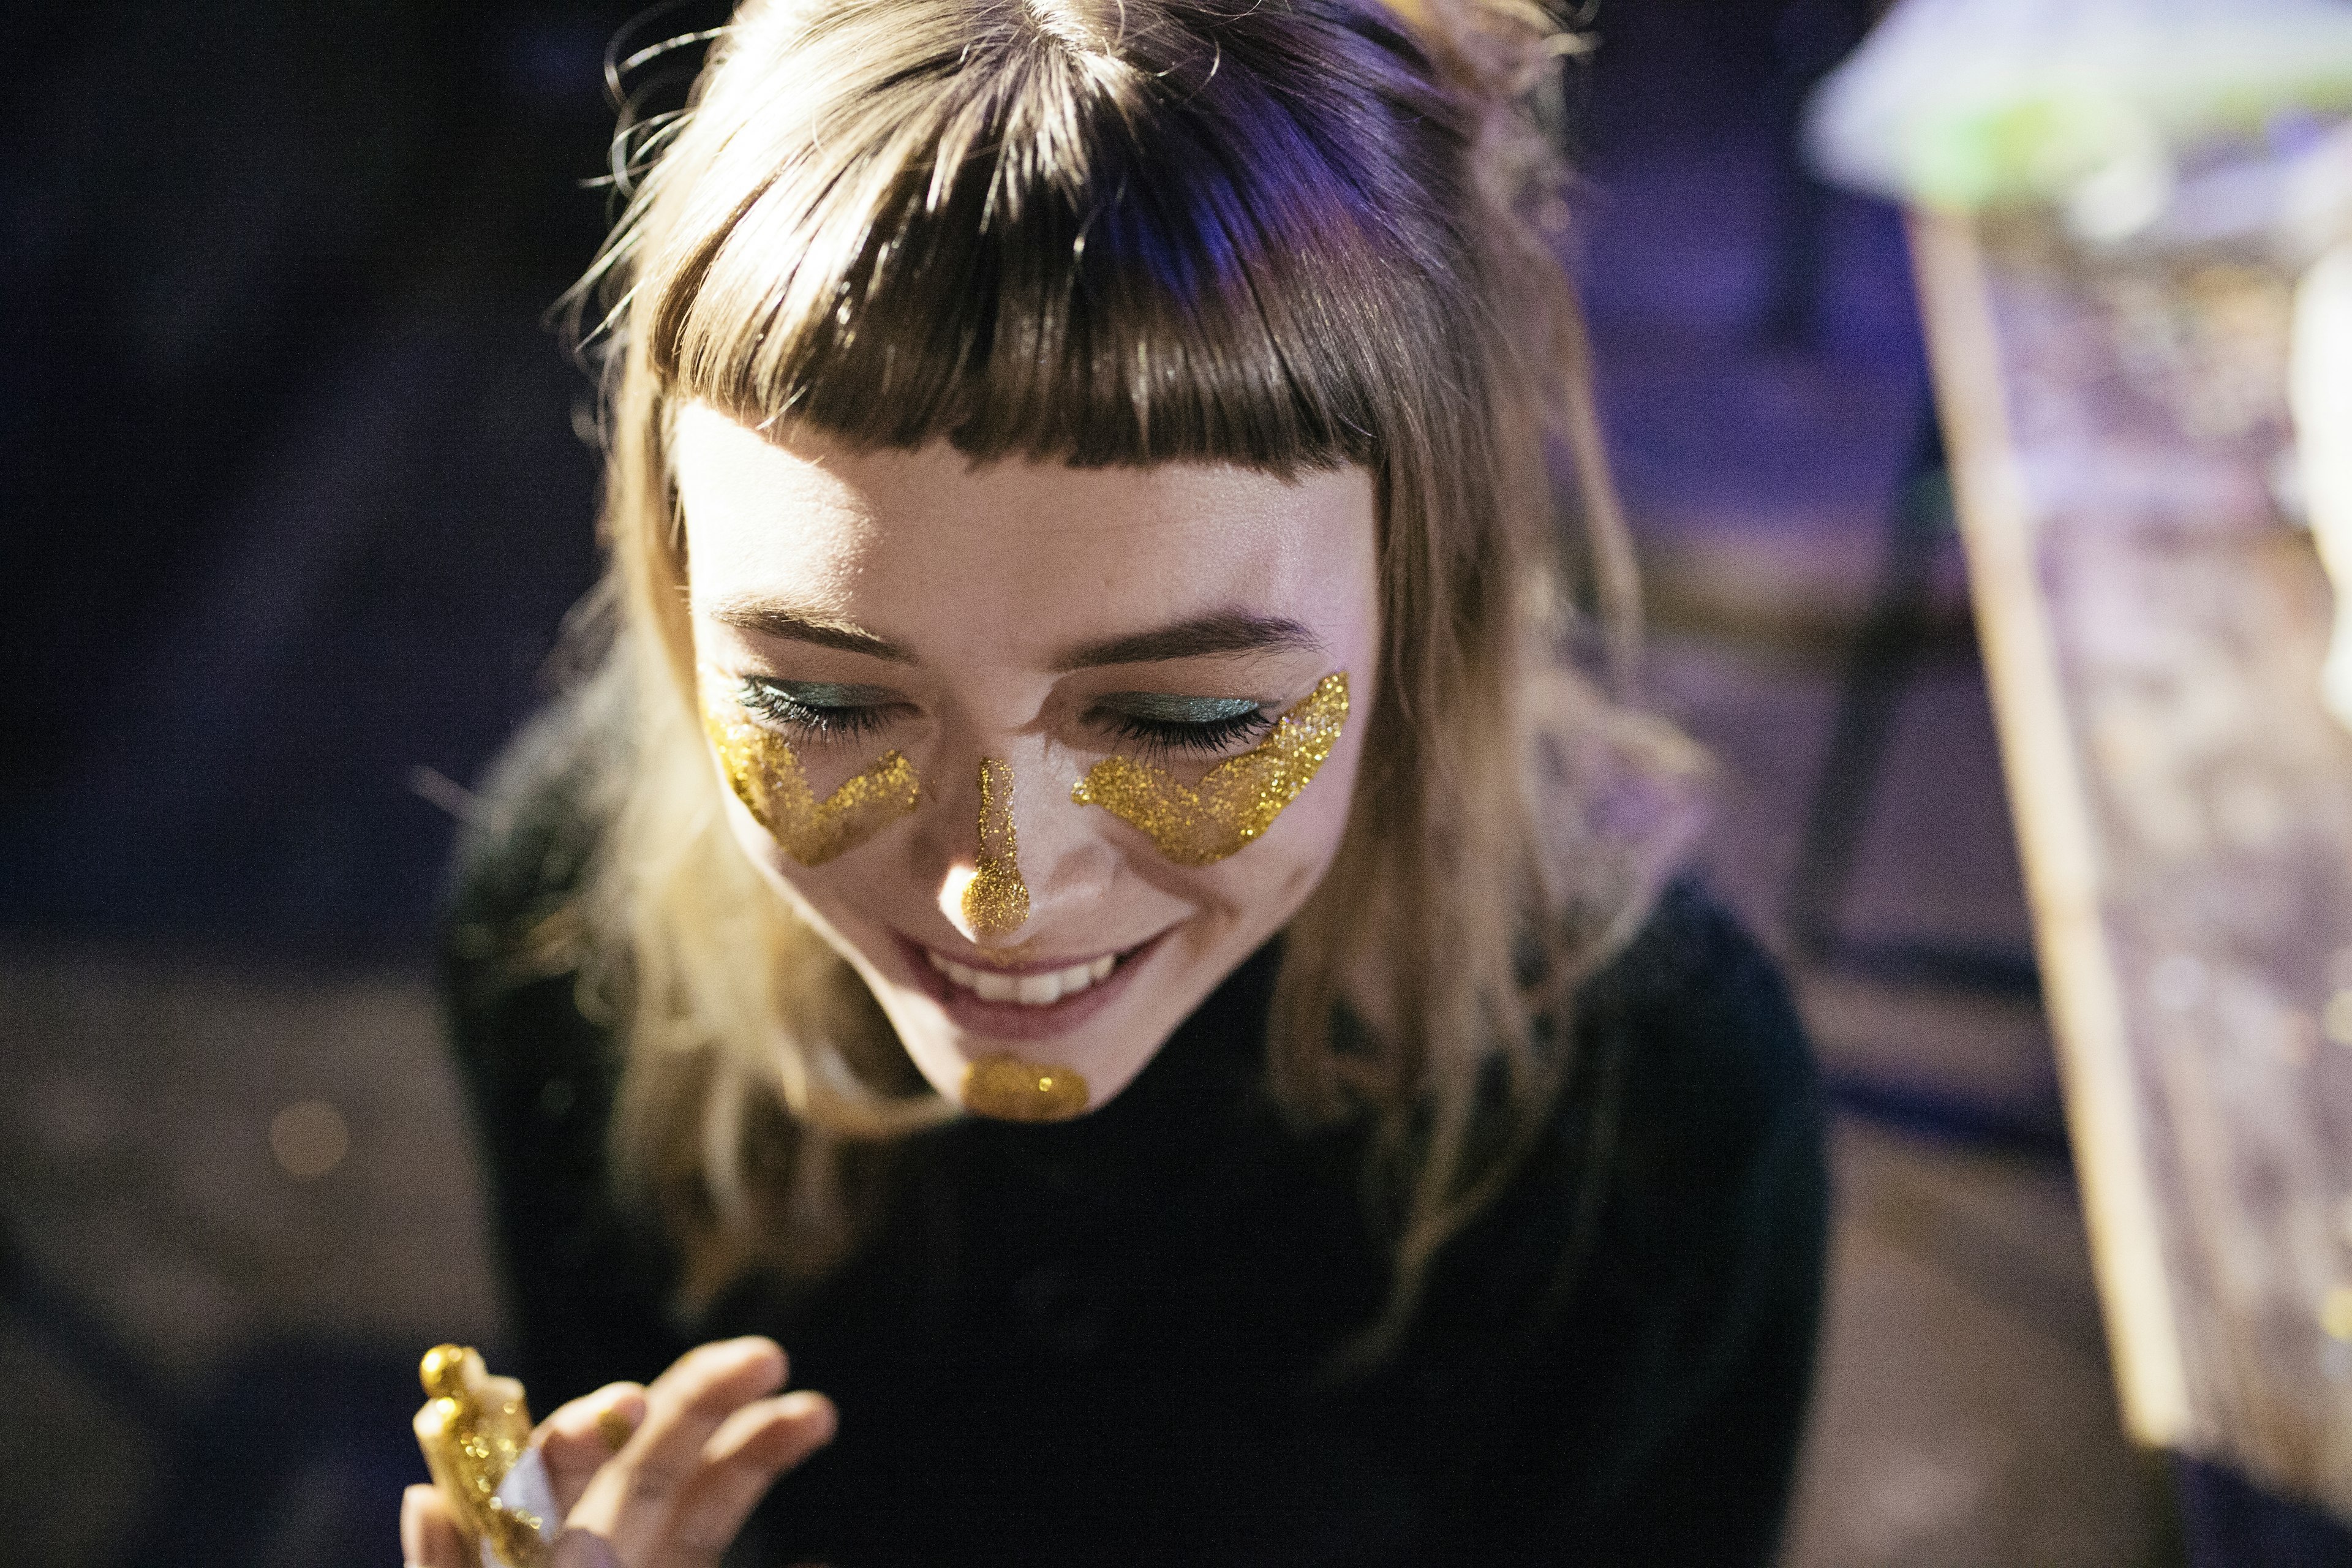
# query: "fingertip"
818,1418
759,1349
774,1433
754,1357
752,1368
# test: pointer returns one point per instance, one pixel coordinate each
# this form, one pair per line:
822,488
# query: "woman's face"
909,665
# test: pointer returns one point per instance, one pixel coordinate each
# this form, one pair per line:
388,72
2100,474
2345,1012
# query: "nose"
1029,858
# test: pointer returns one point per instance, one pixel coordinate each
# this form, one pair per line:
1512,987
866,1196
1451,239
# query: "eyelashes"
1217,732
1149,721
815,710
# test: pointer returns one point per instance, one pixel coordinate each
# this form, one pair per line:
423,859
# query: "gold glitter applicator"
996,901
474,1429
766,776
1238,799
1006,1088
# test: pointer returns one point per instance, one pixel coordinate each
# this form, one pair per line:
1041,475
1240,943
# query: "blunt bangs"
1056,233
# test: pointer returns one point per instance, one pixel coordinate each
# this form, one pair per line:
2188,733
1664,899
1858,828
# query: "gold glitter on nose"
1006,1088
1238,799
996,901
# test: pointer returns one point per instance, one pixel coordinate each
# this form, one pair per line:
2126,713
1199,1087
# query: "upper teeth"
1029,990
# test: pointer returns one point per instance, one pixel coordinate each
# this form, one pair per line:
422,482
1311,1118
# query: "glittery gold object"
766,776
1240,798
473,1428
1009,1089
996,901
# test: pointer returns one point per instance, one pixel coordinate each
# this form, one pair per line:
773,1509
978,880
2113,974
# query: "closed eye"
816,709
1160,722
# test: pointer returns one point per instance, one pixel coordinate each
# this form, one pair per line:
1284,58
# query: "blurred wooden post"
2153,633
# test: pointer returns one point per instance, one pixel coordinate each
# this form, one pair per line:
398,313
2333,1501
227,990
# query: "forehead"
923,544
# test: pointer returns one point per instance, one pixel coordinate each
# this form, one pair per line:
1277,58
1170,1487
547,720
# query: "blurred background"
295,498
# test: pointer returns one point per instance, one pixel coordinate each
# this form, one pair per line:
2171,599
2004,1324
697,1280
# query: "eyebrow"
770,618
1220,631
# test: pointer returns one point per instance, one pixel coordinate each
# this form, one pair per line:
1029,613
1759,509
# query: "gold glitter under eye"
1238,799
1006,1088
474,1429
766,776
996,901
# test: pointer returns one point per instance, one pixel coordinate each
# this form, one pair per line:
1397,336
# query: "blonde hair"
1291,235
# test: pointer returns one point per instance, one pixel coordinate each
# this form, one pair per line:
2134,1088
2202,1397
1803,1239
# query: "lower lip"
1011,1020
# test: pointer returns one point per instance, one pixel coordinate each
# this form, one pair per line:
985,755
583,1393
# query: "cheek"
815,893
1262,885
1322,810
1236,801
1310,829
767,855
767,776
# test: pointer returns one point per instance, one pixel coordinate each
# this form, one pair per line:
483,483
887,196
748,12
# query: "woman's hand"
658,1477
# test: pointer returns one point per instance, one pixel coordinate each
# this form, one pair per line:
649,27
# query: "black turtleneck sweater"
1105,1342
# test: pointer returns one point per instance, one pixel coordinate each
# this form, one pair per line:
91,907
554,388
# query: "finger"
629,1500
575,1441
428,1536
740,1462
777,1433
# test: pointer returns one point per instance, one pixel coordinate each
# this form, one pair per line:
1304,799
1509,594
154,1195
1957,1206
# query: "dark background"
293,498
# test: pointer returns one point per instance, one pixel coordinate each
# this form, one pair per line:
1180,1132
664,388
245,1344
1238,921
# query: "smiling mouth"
1035,990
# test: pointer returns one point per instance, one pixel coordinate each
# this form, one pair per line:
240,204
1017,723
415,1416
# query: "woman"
1082,897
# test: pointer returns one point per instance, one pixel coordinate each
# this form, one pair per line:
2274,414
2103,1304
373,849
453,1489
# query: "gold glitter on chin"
766,777
473,1428
1006,1088
1238,799
996,901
